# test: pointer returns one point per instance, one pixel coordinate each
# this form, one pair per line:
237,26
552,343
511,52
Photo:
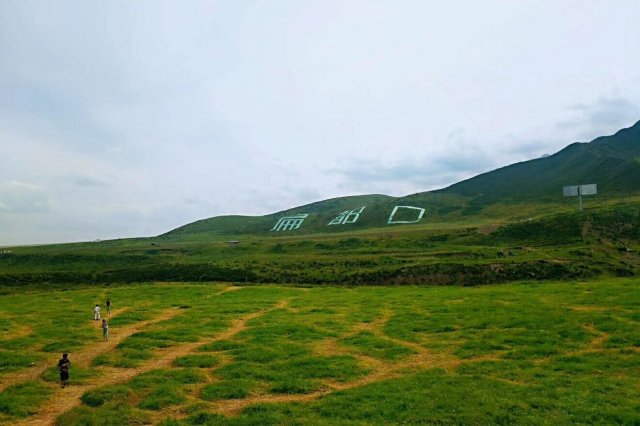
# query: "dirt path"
228,289
595,345
588,308
32,373
379,370
66,399
83,358
86,354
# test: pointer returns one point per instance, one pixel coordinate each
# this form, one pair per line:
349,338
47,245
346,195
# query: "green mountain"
510,224
613,162
523,189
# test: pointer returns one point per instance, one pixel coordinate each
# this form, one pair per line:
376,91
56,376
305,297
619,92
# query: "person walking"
96,313
108,303
63,366
105,330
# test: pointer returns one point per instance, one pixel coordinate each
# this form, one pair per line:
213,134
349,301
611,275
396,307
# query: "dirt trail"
83,358
32,373
382,371
19,331
117,335
588,308
379,370
228,289
595,345
85,355
66,399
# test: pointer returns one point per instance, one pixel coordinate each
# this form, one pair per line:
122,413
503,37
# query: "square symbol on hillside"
409,214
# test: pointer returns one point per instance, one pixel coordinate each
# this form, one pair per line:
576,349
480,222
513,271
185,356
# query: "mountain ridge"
612,162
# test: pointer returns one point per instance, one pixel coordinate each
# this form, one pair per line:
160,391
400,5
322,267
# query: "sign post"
579,191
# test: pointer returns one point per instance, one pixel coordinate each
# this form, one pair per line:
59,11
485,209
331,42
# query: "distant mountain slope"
612,162
320,214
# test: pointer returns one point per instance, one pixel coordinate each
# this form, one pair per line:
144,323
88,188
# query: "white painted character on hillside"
348,216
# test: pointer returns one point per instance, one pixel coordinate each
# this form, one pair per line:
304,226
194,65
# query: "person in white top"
96,313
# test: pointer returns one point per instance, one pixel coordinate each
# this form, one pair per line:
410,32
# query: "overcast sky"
130,118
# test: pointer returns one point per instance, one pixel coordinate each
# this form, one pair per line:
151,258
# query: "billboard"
576,190
570,191
591,189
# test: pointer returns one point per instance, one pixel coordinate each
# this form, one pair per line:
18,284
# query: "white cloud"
22,197
136,117
602,116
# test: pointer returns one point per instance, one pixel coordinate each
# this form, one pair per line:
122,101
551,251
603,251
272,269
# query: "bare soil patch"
69,398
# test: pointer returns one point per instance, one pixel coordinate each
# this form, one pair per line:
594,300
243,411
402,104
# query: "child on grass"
105,330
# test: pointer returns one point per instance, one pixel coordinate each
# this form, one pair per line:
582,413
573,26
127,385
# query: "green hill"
613,162
522,190
506,225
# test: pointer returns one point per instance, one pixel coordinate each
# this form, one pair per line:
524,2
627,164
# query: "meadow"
215,354
601,242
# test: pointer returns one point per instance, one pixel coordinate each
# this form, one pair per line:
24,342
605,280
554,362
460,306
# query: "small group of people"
105,325
96,310
64,363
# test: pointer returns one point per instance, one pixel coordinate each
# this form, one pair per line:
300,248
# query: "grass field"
601,242
207,354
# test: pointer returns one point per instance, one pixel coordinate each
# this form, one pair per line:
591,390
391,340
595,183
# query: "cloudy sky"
130,118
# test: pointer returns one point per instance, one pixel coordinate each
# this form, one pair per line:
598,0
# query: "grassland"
601,242
191,354
364,323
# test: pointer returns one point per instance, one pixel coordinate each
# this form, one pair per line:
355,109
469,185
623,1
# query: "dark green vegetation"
520,353
506,225
610,161
602,241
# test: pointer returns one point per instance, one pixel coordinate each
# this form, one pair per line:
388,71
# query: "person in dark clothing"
108,303
63,366
105,330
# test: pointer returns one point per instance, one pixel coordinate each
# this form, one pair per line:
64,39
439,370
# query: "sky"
131,118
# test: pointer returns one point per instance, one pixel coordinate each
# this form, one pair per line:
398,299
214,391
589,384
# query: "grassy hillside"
464,238
533,187
320,214
613,162
600,241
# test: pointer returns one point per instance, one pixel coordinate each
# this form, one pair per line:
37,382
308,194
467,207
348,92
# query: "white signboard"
591,189
576,190
419,212
289,223
347,216
570,191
